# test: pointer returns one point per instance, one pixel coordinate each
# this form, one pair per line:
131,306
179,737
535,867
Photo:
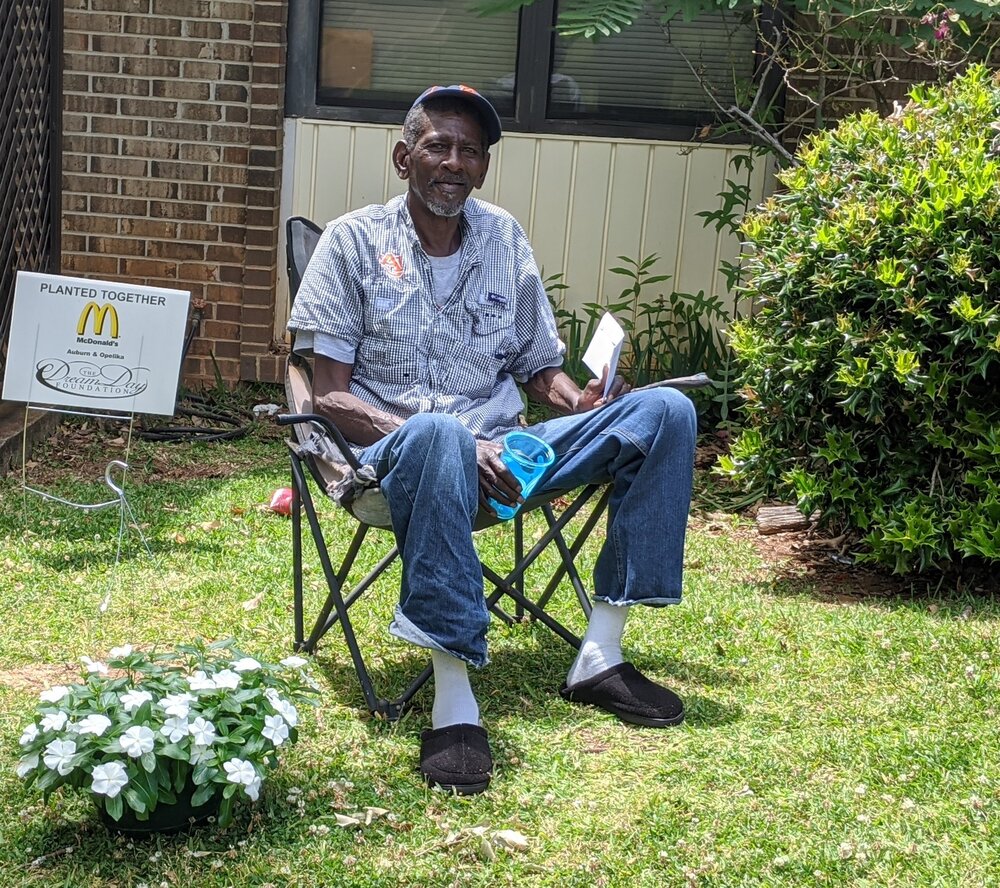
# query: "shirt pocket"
492,331
384,308
383,361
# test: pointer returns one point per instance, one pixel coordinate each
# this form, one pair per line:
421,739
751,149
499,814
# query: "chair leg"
335,608
518,558
501,588
297,566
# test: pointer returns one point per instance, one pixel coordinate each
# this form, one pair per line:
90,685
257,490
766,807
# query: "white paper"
604,349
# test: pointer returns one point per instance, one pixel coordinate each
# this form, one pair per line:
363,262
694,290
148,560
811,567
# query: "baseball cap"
468,94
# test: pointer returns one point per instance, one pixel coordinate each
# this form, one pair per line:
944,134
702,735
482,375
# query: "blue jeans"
642,443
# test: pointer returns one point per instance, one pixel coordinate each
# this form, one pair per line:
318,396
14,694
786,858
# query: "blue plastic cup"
527,457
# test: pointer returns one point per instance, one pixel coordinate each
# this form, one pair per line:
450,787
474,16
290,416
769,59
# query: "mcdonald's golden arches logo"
101,314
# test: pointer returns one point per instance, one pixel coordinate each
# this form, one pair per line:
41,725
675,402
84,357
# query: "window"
383,53
368,60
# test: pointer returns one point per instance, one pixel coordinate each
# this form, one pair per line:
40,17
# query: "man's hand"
495,479
593,394
552,387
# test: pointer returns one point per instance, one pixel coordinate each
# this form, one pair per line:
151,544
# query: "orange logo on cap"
392,265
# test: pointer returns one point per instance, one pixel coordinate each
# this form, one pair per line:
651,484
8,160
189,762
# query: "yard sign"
76,342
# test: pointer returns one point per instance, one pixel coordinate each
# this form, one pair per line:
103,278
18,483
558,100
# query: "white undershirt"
444,275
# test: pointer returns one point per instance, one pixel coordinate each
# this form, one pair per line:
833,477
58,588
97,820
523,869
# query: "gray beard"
448,211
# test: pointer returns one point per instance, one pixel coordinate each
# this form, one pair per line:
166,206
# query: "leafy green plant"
576,331
870,366
674,335
141,728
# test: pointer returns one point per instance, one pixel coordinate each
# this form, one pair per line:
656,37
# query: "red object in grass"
281,501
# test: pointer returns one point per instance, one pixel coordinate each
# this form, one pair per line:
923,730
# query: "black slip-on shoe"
624,691
456,758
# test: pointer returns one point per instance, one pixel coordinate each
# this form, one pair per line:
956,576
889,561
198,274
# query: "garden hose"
209,422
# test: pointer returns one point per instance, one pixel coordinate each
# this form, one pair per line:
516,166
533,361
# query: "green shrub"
869,366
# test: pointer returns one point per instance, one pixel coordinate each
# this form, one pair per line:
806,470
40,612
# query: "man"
422,316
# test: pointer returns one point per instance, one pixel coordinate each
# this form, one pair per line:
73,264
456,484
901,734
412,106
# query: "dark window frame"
534,61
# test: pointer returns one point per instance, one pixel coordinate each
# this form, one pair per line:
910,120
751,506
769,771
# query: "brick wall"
901,69
172,162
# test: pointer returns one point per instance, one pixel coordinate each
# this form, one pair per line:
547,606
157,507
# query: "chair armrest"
699,380
322,425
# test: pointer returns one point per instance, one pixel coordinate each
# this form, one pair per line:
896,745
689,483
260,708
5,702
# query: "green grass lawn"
825,744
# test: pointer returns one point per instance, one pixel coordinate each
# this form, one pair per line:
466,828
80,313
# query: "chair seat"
330,472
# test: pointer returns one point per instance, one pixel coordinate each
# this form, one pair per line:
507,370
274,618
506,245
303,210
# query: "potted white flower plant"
159,738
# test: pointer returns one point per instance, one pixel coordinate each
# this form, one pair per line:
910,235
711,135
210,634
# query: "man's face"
447,163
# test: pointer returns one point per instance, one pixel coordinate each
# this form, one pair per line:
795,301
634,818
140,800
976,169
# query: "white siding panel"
370,161
331,173
698,245
588,222
512,169
550,210
300,196
663,202
626,213
583,201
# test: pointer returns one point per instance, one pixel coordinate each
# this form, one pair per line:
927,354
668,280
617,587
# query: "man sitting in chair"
422,316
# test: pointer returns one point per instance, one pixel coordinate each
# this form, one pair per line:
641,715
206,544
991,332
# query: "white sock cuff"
607,623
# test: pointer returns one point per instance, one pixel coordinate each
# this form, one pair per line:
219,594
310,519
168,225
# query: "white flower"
273,697
175,729
294,662
288,712
177,704
245,664
136,741
26,765
132,700
93,724
239,771
227,679
116,653
30,733
252,789
54,721
202,732
198,681
95,666
275,729
58,754
109,779
201,755
54,694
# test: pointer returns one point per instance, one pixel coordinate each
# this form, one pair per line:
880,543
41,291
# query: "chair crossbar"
568,562
514,579
326,620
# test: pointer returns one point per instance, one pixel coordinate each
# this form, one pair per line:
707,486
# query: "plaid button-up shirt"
369,285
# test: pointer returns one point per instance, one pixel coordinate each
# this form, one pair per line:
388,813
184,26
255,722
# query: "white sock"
602,643
454,702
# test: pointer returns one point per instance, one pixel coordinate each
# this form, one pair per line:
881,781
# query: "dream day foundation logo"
96,374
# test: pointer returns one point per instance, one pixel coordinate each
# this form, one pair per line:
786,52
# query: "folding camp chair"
318,450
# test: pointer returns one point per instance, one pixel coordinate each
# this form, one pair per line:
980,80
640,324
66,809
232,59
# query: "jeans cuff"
406,630
659,601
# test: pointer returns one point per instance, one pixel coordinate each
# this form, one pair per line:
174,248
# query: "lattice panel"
29,132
